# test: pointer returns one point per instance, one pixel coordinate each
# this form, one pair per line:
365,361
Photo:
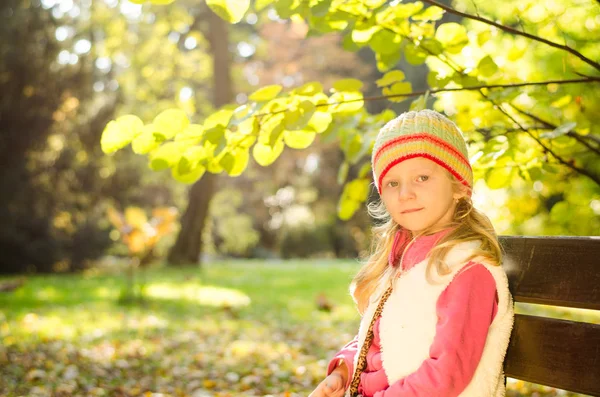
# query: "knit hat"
427,134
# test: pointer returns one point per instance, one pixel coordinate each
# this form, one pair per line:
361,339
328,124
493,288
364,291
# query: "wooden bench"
557,271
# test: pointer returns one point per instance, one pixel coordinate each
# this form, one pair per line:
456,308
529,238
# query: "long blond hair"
469,224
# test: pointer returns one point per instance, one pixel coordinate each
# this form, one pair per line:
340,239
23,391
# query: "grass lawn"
228,329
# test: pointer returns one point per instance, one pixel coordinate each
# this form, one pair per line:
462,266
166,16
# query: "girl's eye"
392,183
423,178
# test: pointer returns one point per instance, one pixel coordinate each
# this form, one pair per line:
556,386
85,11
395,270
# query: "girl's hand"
332,386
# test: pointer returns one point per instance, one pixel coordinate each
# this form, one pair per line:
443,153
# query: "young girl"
436,310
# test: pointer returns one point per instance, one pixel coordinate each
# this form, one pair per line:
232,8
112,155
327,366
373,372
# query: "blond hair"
469,224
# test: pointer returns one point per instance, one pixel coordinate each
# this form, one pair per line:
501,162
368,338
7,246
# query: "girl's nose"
405,193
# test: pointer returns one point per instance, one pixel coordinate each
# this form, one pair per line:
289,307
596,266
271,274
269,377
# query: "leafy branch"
505,28
456,89
568,163
573,134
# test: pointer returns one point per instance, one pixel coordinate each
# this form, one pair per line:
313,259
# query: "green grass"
69,305
227,329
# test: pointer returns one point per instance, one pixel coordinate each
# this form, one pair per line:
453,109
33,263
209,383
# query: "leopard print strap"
362,358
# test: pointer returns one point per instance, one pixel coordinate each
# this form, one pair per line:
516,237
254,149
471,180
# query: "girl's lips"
413,210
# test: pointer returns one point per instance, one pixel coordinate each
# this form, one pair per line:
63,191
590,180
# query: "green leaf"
120,132
333,21
265,154
467,80
355,193
286,8
516,52
166,156
309,89
402,11
298,119
432,46
374,3
320,121
189,177
433,13
365,170
266,93
219,118
191,135
483,37
343,172
453,36
550,168
487,67
386,42
260,5
562,102
358,189
561,211
414,55
243,112
321,8
349,45
387,61
559,131
497,178
235,162
148,140
347,208
215,136
506,94
364,36
192,156
435,81
271,129
353,145
299,139
250,126
419,104
347,85
171,122
396,90
391,77
231,11
535,173
354,102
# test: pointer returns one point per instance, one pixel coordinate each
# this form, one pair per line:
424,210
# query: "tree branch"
570,164
570,50
474,88
572,134
446,60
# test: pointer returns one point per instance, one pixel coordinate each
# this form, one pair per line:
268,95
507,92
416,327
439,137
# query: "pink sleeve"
347,354
465,311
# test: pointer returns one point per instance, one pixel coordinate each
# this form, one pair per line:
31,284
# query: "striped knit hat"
425,133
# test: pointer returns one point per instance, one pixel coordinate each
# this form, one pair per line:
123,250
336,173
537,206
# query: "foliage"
228,331
51,163
140,235
523,122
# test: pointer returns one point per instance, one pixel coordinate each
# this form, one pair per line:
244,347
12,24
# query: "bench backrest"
557,271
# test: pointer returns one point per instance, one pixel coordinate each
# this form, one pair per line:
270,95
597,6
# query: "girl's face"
419,194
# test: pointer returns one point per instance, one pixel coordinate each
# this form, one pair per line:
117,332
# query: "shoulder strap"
362,358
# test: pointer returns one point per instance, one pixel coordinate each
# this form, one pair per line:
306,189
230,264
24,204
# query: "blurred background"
119,280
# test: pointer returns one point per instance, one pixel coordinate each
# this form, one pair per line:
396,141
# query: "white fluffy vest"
408,322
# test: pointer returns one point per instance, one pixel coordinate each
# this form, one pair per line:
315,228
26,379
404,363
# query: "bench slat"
557,353
558,271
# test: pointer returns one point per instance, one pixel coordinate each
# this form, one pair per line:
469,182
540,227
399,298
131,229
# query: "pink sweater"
465,311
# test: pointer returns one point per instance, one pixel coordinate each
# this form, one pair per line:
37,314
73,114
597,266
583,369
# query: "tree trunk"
188,246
